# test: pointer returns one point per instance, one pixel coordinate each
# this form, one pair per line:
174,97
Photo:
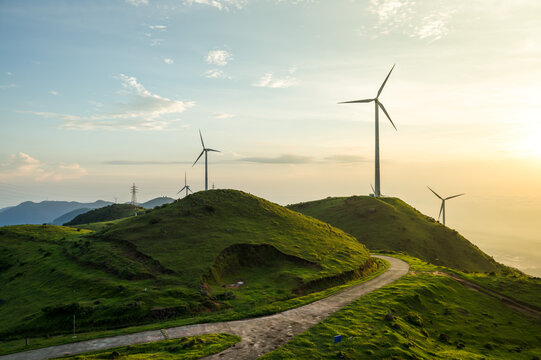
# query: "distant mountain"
6,208
106,213
69,216
30,212
159,201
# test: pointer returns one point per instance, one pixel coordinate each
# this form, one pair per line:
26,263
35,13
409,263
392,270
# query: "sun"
528,144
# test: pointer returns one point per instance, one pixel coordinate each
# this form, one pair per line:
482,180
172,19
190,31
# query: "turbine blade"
181,190
212,150
185,179
190,190
357,101
435,193
374,191
202,152
201,136
386,113
441,209
454,196
382,85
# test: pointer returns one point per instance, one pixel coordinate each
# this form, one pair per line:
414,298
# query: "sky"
98,95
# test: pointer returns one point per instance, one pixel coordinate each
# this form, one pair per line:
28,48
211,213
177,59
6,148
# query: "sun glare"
529,143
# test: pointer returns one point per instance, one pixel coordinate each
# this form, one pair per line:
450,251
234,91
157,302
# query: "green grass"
519,286
106,213
193,347
433,317
16,345
391,224
169,265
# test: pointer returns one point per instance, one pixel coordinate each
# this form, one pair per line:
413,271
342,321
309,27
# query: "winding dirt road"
259,335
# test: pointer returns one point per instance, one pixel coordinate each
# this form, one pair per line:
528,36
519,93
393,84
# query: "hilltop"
179,261
390,224
159,201
107,213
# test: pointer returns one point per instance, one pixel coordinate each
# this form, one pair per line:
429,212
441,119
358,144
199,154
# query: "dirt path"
259,335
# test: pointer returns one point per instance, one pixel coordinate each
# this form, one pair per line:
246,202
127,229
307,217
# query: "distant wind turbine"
378,104
442,208
205,151
186,186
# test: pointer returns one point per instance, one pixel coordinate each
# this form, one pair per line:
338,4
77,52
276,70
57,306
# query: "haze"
96,95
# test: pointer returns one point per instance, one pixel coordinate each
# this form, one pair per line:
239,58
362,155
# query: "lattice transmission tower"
134,189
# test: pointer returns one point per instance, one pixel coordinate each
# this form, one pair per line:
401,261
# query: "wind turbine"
186,186
205,151
442,208
378,104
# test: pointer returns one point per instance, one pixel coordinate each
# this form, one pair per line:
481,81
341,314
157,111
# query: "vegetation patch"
193,347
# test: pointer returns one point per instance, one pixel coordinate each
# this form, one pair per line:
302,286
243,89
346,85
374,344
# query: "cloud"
216,74
282,159
137,2
156,42
21,166
8,86
340,158
143,111
218,115
158,27
9,73
268,81
168,61
150,162
422,20
219,57
54,93
220,4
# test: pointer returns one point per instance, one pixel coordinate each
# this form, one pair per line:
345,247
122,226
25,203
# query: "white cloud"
9,73
220,4
137,2
158,27
219,57
54,93
143,111
21,166
218,115
422,20
268,81
168,61
216,74
8,86
156,42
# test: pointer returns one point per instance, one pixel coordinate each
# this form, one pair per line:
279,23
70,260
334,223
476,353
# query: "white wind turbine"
186,186
205,151
442,208
378,104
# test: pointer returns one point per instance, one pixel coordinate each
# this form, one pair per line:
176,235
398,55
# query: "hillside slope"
159,201
69,216
391,224
107,213
174,262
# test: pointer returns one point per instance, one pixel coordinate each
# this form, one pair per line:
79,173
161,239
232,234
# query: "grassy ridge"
107,213
192,347
155,267
420,316
391,224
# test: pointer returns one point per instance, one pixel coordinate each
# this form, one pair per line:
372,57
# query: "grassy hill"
69,216
179,261
107,213
391,224
423,315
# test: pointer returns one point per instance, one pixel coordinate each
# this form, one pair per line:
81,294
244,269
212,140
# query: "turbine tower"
378,104
205,151
186,186
442,208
